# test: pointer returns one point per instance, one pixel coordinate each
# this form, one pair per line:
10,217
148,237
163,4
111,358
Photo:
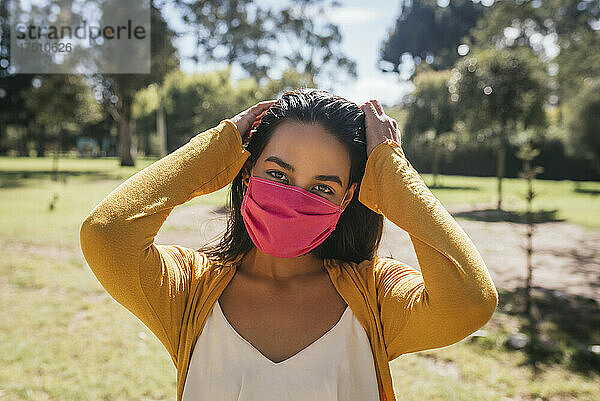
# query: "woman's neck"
260,265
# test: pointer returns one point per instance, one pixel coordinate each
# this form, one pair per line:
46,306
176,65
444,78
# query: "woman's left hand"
379,126
249,118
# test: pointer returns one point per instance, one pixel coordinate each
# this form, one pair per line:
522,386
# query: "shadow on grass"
587,191
562,328
495,215
454,187
18,178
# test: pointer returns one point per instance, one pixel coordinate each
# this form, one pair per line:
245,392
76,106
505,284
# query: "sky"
363,25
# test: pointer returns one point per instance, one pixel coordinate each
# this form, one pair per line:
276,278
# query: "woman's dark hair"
358,232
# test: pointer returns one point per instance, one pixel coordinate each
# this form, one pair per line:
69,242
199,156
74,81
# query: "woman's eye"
274,172
320,187
327,189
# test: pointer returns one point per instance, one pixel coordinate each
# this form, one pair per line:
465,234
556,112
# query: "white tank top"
226,367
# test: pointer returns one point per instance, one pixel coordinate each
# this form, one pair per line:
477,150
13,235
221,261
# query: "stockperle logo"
84,37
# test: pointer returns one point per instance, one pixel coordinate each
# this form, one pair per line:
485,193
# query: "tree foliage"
261,39
583,124
494,89
561,32
196,102
431,111
429,33
117,91
497,93
429,106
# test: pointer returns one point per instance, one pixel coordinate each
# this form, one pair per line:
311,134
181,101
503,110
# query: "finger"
262,114
256,122
258,119
371,112
371,117
377,106
367,108
264,105
260,109
396,134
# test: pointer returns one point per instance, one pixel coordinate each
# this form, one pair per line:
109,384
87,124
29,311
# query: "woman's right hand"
245,120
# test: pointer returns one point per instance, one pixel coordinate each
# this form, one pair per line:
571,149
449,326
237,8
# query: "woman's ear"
245,175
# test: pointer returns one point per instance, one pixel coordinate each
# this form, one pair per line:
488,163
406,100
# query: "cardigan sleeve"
117,237
453,294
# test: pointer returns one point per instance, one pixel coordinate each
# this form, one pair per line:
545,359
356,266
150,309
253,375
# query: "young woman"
293,303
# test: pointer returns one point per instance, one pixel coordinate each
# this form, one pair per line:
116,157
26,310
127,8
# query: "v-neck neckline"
298,354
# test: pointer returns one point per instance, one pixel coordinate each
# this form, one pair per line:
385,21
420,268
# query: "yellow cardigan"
172,289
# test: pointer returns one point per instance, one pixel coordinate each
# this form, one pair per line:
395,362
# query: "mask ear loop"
342,202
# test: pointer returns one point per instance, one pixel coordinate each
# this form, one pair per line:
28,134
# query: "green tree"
12,87
572,25
431,111
583,124
429,33
526,153
61,103
497,93
117,91
144,110
250,34
195,102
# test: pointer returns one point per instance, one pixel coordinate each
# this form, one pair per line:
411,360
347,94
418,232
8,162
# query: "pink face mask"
286,221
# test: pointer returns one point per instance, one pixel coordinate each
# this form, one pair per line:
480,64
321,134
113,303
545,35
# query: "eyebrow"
287,166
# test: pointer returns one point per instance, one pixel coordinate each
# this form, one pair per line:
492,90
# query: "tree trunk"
500,166
147,145
134,138
22,144
56,156
529,253
161,127
436,161
3,137
41,142
125,137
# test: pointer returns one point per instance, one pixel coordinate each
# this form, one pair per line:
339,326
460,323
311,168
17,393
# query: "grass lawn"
62,337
